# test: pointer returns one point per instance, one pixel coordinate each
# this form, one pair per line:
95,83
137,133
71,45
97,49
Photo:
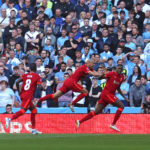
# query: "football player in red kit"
114,80
72,84
29,84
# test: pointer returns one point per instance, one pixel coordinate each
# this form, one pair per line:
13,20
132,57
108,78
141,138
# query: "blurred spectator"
8,109
31,37
137,94
6,94
94,93
39,65
125,90
14,77
66,99
70,65
129,42
47,89
136,74
59,76
4,19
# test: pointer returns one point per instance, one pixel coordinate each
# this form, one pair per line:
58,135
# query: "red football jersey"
114,80
30,81
80,73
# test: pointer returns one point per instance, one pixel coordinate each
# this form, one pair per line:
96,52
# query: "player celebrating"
114,80
30,82
71,84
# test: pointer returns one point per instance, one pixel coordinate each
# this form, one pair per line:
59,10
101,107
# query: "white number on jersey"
27,86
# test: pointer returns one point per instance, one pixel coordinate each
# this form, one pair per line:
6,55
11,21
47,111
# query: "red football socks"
49,96
117,115
79,98
33,120
87,117
17,114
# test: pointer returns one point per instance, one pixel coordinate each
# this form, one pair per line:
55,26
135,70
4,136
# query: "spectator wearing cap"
122,45
31,37
94,93
92,46
61,40
6,94
81,7
71,45
47,89
106,53
59,76
129,42
30,10
105,39
66,99
4,19
39,65
49,35
8,109
137,94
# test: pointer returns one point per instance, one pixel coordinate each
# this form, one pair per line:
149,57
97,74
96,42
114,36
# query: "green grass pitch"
74,142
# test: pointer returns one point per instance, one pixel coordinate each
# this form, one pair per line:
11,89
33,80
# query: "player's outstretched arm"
120,92
17,84
94,73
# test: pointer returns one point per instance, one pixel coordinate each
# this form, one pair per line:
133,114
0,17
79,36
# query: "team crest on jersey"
115,82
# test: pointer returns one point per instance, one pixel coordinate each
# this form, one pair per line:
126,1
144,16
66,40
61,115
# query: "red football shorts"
70,84
26,103
107,98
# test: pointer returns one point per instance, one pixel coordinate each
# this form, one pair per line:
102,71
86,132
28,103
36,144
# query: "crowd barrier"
65,123
78,110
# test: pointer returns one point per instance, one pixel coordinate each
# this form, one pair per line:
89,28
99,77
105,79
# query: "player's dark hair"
63,63
33,67
120,65
16,68
8,105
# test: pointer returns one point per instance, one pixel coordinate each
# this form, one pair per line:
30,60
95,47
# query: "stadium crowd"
61,35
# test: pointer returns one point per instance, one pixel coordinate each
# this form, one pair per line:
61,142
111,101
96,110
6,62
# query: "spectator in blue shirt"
19,52
106,53
125,90
129,42
59,76
146,34
61,40
122,7
81,7
30,10
58,17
